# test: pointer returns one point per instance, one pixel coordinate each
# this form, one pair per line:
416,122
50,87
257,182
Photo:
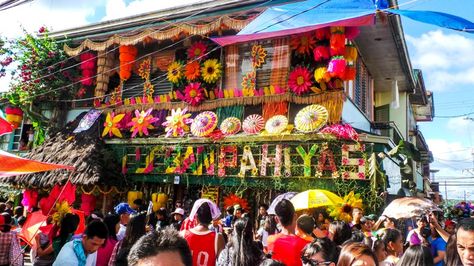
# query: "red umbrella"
35,220
13,165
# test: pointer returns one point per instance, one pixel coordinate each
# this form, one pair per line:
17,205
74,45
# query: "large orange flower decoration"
303,44
232,200
142,122
192,71
111,125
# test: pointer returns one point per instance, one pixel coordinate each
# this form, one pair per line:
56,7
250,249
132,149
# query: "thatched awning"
85,151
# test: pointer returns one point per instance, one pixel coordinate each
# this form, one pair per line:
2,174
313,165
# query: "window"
361,89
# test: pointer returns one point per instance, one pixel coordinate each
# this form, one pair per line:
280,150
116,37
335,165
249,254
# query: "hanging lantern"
350,72
159,200
351,53
88,68
337,67
337,43
127,55
14,115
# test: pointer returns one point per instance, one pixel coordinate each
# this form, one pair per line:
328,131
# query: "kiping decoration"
204,124
253,124
311,118
177,124
111,125
142,122
230,126
276,124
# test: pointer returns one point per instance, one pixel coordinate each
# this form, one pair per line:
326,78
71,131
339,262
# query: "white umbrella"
409,207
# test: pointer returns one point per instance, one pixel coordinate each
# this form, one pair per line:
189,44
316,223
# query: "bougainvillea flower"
193,94
303,44
175,72
192,70
300,80
197,50
177,124
211,71
111,125
258,56
142,122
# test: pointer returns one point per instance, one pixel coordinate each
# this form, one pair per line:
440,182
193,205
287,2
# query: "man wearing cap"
178,217
124,211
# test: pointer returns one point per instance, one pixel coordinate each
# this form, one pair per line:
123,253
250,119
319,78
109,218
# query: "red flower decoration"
323,33
233,199
303,44
193,94
197,50
321,53
300,80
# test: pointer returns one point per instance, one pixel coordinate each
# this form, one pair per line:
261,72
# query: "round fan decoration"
311,118
230,126
253,124
204,124
276,124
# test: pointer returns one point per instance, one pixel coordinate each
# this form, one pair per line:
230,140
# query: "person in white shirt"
83,252
124,211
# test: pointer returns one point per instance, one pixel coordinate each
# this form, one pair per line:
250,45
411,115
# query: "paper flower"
197,50
321,53
337,67
342,211
248,82
302,44
142,122
175,72
231,200
177,124
300,80
111,125
322,34
144,69
321,75
148,89
193,94
337,43
211,71
192,70
258,56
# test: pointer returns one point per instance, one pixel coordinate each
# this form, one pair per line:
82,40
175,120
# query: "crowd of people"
132,235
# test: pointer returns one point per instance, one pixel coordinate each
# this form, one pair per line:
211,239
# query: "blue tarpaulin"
437,18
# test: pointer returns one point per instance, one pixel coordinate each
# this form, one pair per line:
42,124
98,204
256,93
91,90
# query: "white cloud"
447,60
460,126
118,8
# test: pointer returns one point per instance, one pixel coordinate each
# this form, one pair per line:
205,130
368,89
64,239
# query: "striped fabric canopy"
12,165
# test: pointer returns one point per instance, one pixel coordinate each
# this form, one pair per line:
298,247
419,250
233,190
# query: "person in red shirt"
287,247
205,245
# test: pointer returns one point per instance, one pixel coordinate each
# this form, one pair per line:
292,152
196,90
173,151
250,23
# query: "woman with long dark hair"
241,249
416,255
339,232
112,221
355,253
136,228
393,241
452,255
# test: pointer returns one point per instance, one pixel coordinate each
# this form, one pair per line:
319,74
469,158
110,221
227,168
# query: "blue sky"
446,58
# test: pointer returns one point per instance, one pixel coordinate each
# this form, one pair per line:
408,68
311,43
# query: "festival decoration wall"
224,161
247,162
177,123
277,160
111,125
142,122
88,68
127,54
306,156
357,163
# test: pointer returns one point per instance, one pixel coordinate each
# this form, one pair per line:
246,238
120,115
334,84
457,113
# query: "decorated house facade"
191,108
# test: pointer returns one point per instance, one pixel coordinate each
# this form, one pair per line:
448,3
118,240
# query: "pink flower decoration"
361,162
345,161
300,80
346,175
337,67
361,175
193,94
142,122
345,147
197,50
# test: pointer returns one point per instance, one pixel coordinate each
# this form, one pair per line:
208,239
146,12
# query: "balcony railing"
387,129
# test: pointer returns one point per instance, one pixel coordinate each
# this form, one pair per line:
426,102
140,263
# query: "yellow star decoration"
110,125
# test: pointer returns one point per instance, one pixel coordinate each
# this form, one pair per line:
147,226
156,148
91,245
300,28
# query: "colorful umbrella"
253,124
287,195
230,126
314,198
204,124
276,124
13,165
409,207
311,118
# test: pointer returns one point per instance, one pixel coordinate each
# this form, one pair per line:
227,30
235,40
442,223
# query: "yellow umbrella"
314,198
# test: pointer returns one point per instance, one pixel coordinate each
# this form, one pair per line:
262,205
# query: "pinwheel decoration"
204,124
111,125
230,126
253,124
276,124
177,124
311,118
142,122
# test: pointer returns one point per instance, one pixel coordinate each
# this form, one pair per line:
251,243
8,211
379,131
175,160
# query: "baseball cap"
124,208
371,217
178,211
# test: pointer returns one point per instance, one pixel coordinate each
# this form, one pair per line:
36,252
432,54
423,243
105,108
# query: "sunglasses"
311,262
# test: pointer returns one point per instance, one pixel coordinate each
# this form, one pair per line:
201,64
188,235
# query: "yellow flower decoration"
258,56
211,71
343,211
175,72
61,210
110,125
